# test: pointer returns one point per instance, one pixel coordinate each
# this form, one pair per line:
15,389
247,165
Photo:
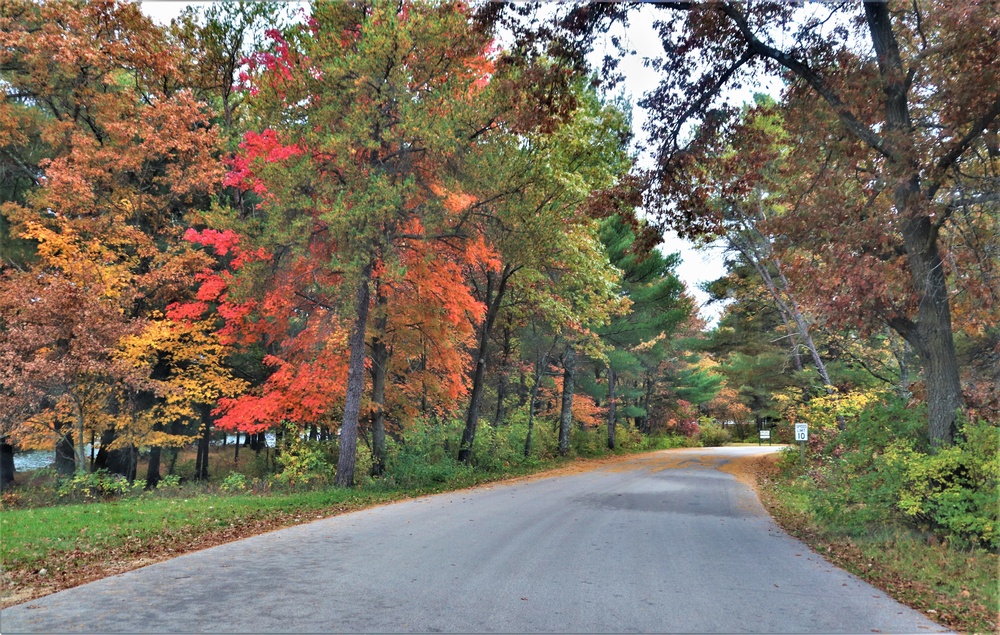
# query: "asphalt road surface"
658,543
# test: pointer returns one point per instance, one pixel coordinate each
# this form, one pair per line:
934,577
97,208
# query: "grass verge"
954,587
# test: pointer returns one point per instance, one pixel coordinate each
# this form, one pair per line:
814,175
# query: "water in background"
35,459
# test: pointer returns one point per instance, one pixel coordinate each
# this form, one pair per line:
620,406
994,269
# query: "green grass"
32,538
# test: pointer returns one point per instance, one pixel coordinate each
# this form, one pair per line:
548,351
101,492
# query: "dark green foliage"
713,435
879,473
638,342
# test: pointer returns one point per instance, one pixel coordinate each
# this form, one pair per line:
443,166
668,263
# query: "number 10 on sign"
801,432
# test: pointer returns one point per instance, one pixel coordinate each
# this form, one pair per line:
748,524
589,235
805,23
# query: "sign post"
801,436
764,434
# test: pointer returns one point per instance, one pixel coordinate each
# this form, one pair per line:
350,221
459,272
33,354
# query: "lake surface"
36,459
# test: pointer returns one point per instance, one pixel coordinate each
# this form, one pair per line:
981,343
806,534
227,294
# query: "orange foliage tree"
94,113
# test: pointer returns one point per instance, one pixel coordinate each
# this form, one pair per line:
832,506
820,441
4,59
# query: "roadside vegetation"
873,499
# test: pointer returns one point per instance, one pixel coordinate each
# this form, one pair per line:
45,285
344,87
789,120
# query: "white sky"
697,266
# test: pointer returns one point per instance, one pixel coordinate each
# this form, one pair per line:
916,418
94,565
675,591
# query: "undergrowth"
919,523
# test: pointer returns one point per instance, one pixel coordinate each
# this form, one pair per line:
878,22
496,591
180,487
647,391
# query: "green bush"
301,460
880,471
628,438
234,482
856,485
497,448
712,435
185,470
169,482
99,484
956,491
589,442
668,442
426,455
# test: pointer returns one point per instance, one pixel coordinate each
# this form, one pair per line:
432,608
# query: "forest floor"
956,588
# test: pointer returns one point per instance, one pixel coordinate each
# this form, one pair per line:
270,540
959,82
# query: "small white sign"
765,434
801,432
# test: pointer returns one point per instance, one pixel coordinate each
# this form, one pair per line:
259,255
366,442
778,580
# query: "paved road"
658,543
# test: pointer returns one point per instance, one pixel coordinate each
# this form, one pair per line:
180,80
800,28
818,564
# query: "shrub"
589,442
101,483
880,471
669,442
301,460
234,482
712,434
426,455
170,481
955,491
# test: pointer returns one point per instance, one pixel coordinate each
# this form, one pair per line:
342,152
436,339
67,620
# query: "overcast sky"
697,266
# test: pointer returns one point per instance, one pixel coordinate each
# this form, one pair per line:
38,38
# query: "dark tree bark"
201,462
903,354
153,469
539,366
496,286
612,401
380,362
122,461
256,442
932,335
6,464
566,414
647,397
355,383
65,463
503,377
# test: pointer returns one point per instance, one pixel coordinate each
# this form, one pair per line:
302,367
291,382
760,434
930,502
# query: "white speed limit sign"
801,432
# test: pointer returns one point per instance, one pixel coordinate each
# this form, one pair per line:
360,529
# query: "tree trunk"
646,428
566,414
472,414
904,356
65,464
172,465
503,378
201,471
80,456
539,365
256,441
355,383
931,335
153,469
122,460
612,378
6,464
380,361
495,290
199,457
